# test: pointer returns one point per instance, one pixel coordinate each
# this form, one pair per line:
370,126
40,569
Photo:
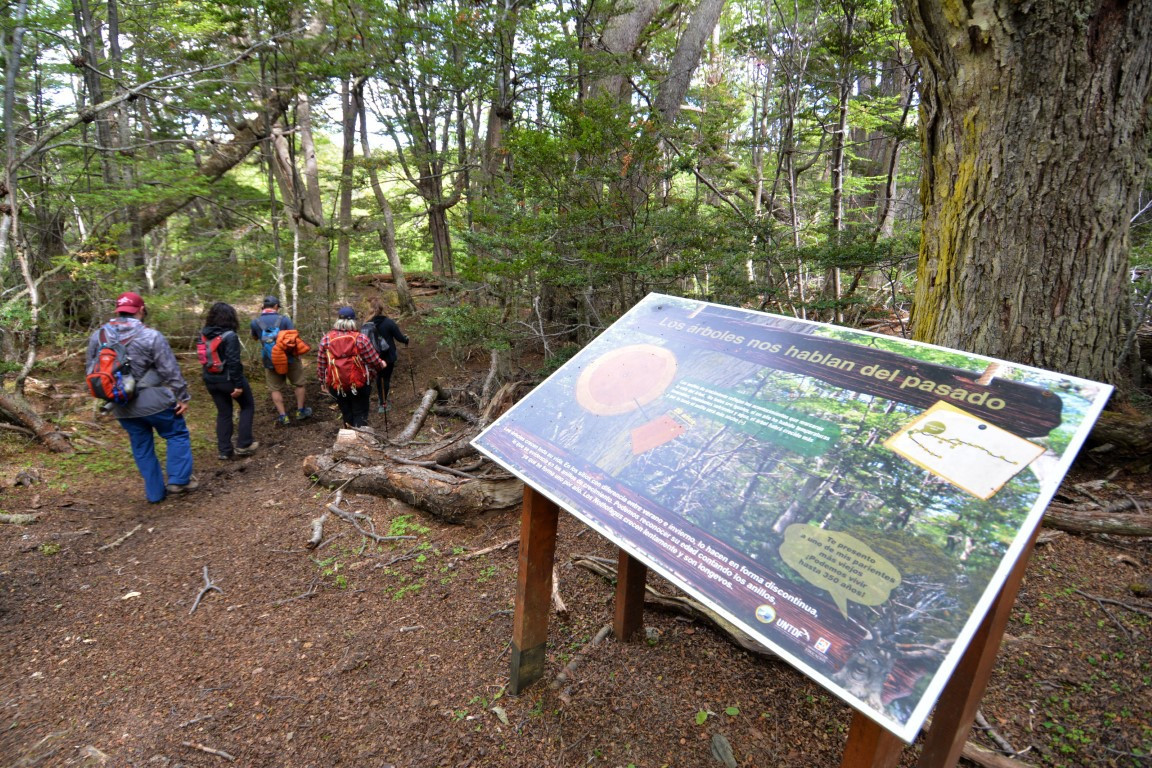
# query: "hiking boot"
303,413
225,457
248,450
188,487
381,409
282,420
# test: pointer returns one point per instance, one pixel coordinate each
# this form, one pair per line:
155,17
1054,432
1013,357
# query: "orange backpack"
347,371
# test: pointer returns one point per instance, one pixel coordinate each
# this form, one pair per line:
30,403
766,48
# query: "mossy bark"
1034,119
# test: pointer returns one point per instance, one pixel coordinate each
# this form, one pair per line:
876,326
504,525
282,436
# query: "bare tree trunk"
441,240
388,232
317,258
344,216
689,49
620,39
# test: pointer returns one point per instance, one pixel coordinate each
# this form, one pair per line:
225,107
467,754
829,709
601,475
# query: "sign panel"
852,501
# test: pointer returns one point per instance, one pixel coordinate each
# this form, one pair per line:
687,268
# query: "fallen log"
1079,520
445,496
1121,433
16,409
422,411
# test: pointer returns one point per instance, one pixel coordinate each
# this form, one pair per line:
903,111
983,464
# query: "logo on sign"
796,632
765,614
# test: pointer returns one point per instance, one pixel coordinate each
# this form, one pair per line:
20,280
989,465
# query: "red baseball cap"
129,303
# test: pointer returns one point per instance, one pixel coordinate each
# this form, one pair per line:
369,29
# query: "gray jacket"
159,382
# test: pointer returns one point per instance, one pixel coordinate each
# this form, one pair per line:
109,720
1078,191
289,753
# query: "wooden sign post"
533,588
868,746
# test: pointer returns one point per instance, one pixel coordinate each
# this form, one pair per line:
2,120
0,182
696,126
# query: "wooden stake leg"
533,589
960,698
630,577
870,745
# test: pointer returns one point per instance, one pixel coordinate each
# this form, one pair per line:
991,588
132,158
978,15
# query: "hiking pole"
412,378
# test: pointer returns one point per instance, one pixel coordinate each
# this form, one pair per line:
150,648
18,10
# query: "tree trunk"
1034,123
388,232
620,39
317,258
344,216
441,240
1067,518
689,48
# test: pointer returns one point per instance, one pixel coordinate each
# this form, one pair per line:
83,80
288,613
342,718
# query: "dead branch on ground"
310,592
429,477
577,659
493,548
209,586
14,408
418,418
17,518
557,601
121,540
1128,606
1001,742
209,750
447,496
317,531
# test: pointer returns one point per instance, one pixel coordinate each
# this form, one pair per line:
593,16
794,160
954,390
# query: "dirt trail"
397,655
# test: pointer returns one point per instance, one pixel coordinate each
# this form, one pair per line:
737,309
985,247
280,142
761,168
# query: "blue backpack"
268,340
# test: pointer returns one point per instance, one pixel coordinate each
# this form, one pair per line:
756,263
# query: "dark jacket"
232,377
389,331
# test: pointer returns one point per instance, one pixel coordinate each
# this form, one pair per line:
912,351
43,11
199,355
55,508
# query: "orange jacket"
288,344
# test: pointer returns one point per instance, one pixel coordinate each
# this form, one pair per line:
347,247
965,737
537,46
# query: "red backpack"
111,376
346,372
208,353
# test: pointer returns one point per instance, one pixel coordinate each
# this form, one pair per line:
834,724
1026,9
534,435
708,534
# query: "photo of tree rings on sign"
625,379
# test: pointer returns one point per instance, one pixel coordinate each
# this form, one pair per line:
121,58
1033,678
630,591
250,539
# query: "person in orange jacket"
267,329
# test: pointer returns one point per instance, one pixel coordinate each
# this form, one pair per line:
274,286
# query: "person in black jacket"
229,384
388,331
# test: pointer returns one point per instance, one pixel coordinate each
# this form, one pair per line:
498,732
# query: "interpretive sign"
853,501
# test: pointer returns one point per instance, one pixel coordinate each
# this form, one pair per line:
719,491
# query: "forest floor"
397,654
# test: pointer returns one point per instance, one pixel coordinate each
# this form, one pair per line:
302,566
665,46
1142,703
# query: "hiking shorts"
277,382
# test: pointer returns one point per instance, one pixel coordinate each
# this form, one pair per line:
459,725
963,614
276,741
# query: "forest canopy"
553,163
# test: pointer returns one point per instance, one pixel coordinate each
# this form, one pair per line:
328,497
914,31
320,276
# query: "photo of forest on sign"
748,462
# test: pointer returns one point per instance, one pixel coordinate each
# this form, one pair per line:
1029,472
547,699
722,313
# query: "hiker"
280,350
388,332
345,364
219,351
159,403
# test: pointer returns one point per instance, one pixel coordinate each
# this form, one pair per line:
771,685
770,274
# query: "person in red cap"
160,403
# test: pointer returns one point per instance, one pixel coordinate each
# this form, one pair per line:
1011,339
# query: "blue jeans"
174,430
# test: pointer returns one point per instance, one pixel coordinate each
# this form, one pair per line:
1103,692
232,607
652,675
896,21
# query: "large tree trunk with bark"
1034,120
